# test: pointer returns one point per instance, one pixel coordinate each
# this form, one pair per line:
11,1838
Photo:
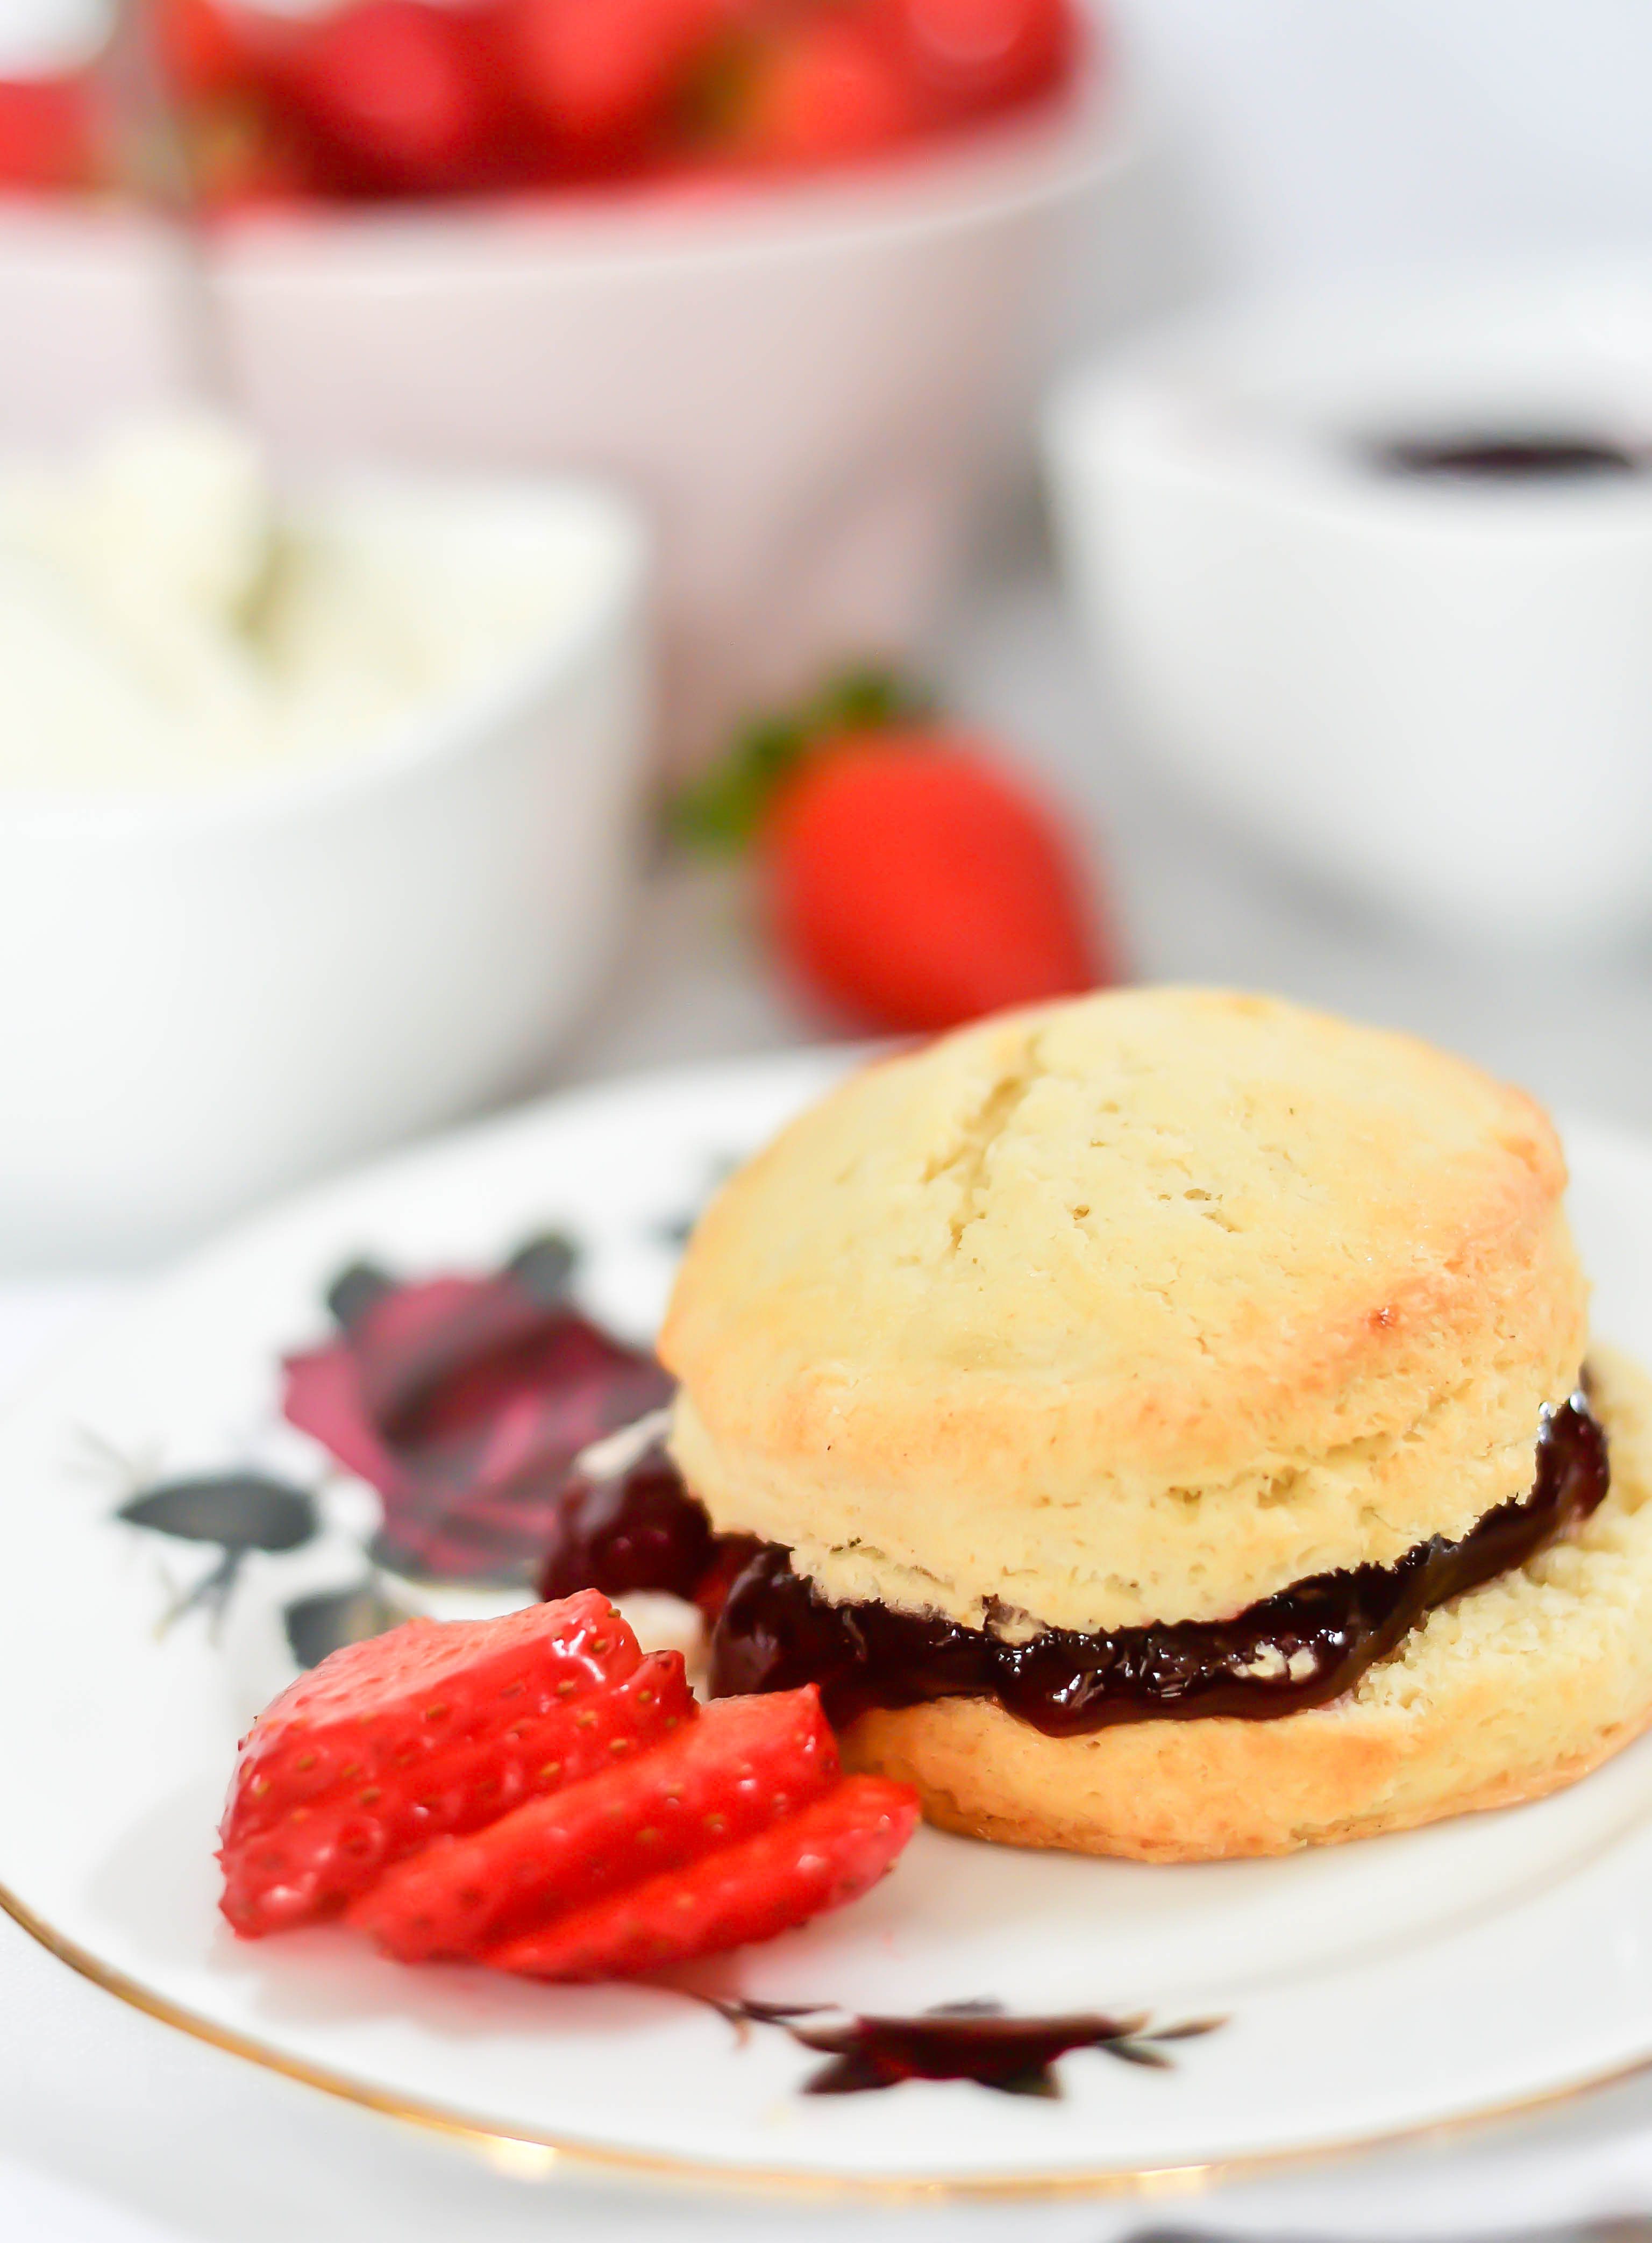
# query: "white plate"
1370,1989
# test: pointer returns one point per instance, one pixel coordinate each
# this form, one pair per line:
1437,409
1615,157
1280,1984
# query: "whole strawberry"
910,878
392,95
604,77
823,90
972,56
46,134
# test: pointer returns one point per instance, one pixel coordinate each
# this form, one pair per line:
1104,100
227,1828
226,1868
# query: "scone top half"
1136,1308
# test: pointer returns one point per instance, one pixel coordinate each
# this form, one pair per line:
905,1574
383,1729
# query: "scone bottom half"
1156,1422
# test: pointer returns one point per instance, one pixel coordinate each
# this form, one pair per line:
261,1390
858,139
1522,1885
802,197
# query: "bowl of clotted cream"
319,817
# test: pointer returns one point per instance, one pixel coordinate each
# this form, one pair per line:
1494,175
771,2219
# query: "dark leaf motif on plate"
320,1625
977,2042
675,1231
237,1512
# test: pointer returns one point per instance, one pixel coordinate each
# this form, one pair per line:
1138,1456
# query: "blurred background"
540,538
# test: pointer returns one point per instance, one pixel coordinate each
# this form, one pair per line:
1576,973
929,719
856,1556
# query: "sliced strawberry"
322,1856
743,1765
831,1853
385,1708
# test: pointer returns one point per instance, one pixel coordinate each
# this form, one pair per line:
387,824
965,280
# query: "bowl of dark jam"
1368,574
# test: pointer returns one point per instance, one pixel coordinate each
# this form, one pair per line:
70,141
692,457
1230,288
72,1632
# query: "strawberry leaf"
724,811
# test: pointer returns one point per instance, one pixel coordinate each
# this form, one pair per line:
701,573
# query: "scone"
1168,1429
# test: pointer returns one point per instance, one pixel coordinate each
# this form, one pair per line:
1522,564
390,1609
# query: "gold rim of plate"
526,2153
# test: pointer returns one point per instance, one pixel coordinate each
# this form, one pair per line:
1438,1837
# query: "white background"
1317,137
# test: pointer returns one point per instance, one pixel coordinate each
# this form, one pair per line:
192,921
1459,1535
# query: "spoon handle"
155,168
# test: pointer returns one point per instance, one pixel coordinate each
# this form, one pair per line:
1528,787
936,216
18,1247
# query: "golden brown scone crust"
1135,1308
1514,1690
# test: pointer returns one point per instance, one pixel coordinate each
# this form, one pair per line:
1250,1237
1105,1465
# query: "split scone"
1169,1426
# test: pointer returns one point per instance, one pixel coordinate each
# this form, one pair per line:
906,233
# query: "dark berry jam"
632,1525
1301,1648
1528,458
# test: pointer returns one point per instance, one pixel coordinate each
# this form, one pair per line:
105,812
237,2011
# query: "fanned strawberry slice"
322,1855
831,1853
741,1766
377,1711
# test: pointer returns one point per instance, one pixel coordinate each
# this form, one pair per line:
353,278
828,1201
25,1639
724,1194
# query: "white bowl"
811,385
1436,694
208,994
